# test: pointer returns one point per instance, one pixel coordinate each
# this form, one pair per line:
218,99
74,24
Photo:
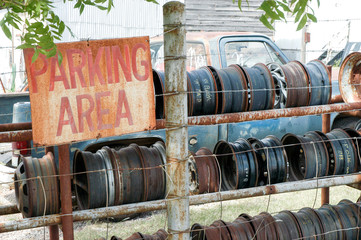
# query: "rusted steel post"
65,192
8,209
325,192
24,135
53,229
176,119
15,126
268,114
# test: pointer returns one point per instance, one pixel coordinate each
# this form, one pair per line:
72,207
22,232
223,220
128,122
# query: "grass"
207,213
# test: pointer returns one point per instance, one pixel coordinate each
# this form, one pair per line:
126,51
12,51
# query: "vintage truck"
215,49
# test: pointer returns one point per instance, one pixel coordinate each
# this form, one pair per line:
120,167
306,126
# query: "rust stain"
25,135
102,88
271,189
15,126
337,99
269,114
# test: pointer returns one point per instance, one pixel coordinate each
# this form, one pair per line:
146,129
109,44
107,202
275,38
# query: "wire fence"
43,179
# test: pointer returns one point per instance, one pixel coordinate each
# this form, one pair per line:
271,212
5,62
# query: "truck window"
248,54
196,56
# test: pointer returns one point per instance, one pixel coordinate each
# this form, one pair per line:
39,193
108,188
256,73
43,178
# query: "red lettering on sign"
94,68
76,69
61,78
85,114
144,63
108,60
34,72
101,112
65,107
122,100
125,65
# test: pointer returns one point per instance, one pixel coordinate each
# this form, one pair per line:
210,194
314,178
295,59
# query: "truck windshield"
196,56
248,54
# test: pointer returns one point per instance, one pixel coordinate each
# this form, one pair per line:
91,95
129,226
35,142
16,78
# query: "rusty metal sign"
102,88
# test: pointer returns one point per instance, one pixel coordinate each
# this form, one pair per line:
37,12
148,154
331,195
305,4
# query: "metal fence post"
325,192
65,192
176,120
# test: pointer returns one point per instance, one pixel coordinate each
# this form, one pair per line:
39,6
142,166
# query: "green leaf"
297,7
285,7
81,9
37,25
61,27
52,52
25,45
265,22
153,1
110,5
302,22
46,45
35,56
312,17
281,14
60,57
6,31
12,23
102,7
266,7
16,9
298,16
78,3
41,30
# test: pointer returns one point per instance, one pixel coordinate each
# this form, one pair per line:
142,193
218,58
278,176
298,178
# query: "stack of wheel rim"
202,96
231,87
204,172
227,90
238,164
261,93
161,234
299,85
36,186
317,154
110,177
250,163
272,160
341,221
